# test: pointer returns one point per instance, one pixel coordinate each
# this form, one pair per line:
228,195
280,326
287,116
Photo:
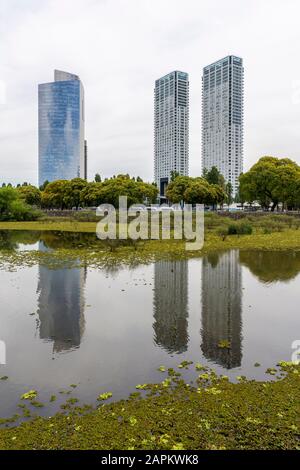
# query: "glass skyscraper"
171,128
61,128
223,118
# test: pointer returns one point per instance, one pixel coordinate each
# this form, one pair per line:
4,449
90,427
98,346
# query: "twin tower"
222,122
63,148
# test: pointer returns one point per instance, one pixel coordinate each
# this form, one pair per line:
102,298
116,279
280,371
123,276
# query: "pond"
110,329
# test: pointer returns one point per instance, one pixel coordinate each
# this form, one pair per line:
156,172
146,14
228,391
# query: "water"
108,330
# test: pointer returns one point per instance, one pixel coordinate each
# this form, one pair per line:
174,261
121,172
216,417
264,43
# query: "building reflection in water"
222,309
171,305
61,305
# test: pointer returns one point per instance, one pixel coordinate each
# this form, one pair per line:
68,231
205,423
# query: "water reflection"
170,305
222,309
134,323
268,266
61,305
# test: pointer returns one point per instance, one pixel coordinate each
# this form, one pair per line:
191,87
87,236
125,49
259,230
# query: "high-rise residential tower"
171,128
222,118
61,128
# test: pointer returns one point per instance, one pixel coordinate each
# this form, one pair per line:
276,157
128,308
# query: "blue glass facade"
61,130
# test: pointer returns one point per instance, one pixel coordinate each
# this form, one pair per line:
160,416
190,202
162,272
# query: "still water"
110,329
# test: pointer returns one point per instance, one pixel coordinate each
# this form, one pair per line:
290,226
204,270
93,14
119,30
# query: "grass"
56,224
210,414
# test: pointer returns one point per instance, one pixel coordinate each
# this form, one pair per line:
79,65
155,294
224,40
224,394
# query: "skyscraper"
61,128
171,128
222,118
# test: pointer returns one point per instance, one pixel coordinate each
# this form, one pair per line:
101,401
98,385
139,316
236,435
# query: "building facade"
171,128
223,118
61,128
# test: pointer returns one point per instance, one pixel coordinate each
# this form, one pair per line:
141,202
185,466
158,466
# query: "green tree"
12,207
213,176
97,178
271,181
30,194
176,189
44,185
174,175
111,189
72,193
53,197
198,192
228,191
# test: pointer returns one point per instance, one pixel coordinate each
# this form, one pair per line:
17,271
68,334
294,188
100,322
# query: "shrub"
13,207
21,211
240,229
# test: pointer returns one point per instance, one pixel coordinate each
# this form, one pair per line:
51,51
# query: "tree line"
272,182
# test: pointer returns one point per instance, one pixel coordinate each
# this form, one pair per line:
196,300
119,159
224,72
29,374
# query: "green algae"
216,414
66,251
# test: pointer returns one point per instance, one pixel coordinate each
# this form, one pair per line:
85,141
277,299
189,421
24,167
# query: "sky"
119,48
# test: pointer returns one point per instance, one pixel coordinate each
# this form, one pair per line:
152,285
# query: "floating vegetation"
185,364
224,344
4,377
271,371
31,395
142,387
66,251
37,404
104,396
217,414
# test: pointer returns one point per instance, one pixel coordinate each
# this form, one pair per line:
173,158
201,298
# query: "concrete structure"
223,118
171,128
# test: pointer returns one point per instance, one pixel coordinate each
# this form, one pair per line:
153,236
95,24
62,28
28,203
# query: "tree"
54,194
213,176
177,188
198,192
44,185
30,194
97,178
111,189
174,175
271,181
12,207
195,191
228,191
72,193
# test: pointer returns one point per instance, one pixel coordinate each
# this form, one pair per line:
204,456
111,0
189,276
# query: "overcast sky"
119,48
